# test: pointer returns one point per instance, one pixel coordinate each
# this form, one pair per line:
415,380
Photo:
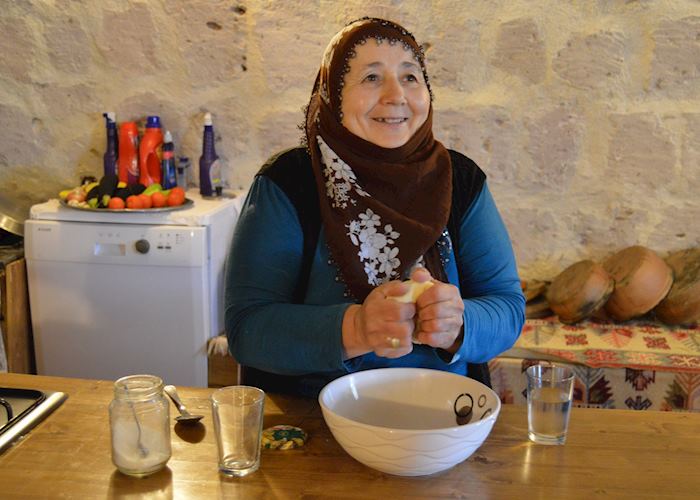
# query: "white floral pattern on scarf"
340,179
377,251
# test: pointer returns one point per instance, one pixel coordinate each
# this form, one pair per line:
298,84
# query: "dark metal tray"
29,407
20,402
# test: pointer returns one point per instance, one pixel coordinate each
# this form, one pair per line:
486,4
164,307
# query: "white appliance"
114,294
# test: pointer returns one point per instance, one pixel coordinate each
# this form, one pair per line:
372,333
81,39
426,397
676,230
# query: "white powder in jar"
129,457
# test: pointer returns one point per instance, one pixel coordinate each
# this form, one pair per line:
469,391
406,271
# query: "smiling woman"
331,230
385,97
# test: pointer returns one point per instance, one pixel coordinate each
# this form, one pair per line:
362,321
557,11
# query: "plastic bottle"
209,165
128,163
150,152
168,163
110,156
183,169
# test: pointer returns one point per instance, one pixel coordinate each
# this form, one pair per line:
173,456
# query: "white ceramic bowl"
402,420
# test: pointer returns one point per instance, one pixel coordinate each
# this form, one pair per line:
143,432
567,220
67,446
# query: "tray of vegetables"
109,194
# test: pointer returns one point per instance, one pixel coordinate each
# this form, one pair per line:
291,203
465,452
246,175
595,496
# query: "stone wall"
585,115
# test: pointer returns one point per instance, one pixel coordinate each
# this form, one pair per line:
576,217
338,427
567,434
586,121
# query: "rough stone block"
486,134
67,100
280,130
68,45
690,152
127,41
523,223
212,40
640,153
591,61
554,146
454,59
17,49
24,137
520,50
671,231
675,69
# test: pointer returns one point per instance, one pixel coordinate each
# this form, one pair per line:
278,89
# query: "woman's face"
385,98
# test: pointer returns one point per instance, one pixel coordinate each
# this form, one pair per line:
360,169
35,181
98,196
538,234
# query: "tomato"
116,203
176,197
179,191
158,199
145,200
133,202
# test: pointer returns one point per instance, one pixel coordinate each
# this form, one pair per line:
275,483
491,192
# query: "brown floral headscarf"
383,209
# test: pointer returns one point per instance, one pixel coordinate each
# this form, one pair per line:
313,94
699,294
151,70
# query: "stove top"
22,409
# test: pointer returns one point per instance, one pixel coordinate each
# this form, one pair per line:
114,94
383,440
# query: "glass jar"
139,421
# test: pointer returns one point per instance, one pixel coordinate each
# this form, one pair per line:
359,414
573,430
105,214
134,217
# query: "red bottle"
128,162
150,152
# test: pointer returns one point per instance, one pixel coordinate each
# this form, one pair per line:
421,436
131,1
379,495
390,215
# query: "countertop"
609,453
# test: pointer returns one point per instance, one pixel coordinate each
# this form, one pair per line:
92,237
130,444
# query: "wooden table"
609,453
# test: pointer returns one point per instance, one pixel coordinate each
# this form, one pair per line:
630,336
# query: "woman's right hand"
379,324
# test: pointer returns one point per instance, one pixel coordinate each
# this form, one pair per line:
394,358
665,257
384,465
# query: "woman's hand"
380,325
440,314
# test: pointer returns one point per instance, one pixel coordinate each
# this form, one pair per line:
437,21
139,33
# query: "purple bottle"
209,165
110,156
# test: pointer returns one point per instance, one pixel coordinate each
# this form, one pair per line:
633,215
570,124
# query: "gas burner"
22,409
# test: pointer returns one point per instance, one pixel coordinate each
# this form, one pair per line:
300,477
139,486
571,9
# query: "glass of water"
549,394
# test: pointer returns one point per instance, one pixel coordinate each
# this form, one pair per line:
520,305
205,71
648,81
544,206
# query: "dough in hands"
415,290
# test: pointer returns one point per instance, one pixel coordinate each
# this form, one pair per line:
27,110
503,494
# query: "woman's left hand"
439,314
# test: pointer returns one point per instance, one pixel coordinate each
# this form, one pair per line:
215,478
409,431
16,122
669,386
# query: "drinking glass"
238,417
549,395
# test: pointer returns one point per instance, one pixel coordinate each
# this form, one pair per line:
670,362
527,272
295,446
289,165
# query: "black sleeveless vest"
291,171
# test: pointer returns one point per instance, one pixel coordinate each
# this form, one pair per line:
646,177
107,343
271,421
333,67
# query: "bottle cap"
207,120
168,136
283,437
153,122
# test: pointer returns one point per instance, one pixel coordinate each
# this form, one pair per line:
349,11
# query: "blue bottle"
168,163
110,156
209,165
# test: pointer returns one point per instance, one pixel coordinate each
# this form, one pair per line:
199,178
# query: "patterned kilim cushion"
641,345
613,388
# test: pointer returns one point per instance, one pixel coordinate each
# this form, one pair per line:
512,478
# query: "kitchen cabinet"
223,370
15,320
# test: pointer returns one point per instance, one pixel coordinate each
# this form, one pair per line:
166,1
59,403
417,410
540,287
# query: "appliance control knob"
142,246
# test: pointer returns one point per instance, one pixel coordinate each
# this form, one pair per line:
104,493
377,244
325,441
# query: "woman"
329,232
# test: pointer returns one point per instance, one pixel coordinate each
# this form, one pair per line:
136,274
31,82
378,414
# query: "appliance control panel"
117,243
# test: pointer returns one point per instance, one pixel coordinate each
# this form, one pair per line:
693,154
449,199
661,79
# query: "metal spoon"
142,447
185,416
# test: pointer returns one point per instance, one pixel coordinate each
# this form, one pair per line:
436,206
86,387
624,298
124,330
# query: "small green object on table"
283,437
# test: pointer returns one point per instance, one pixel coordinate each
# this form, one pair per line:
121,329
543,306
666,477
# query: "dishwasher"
120,293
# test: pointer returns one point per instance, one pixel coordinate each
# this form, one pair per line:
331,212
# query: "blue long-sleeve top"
267,331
